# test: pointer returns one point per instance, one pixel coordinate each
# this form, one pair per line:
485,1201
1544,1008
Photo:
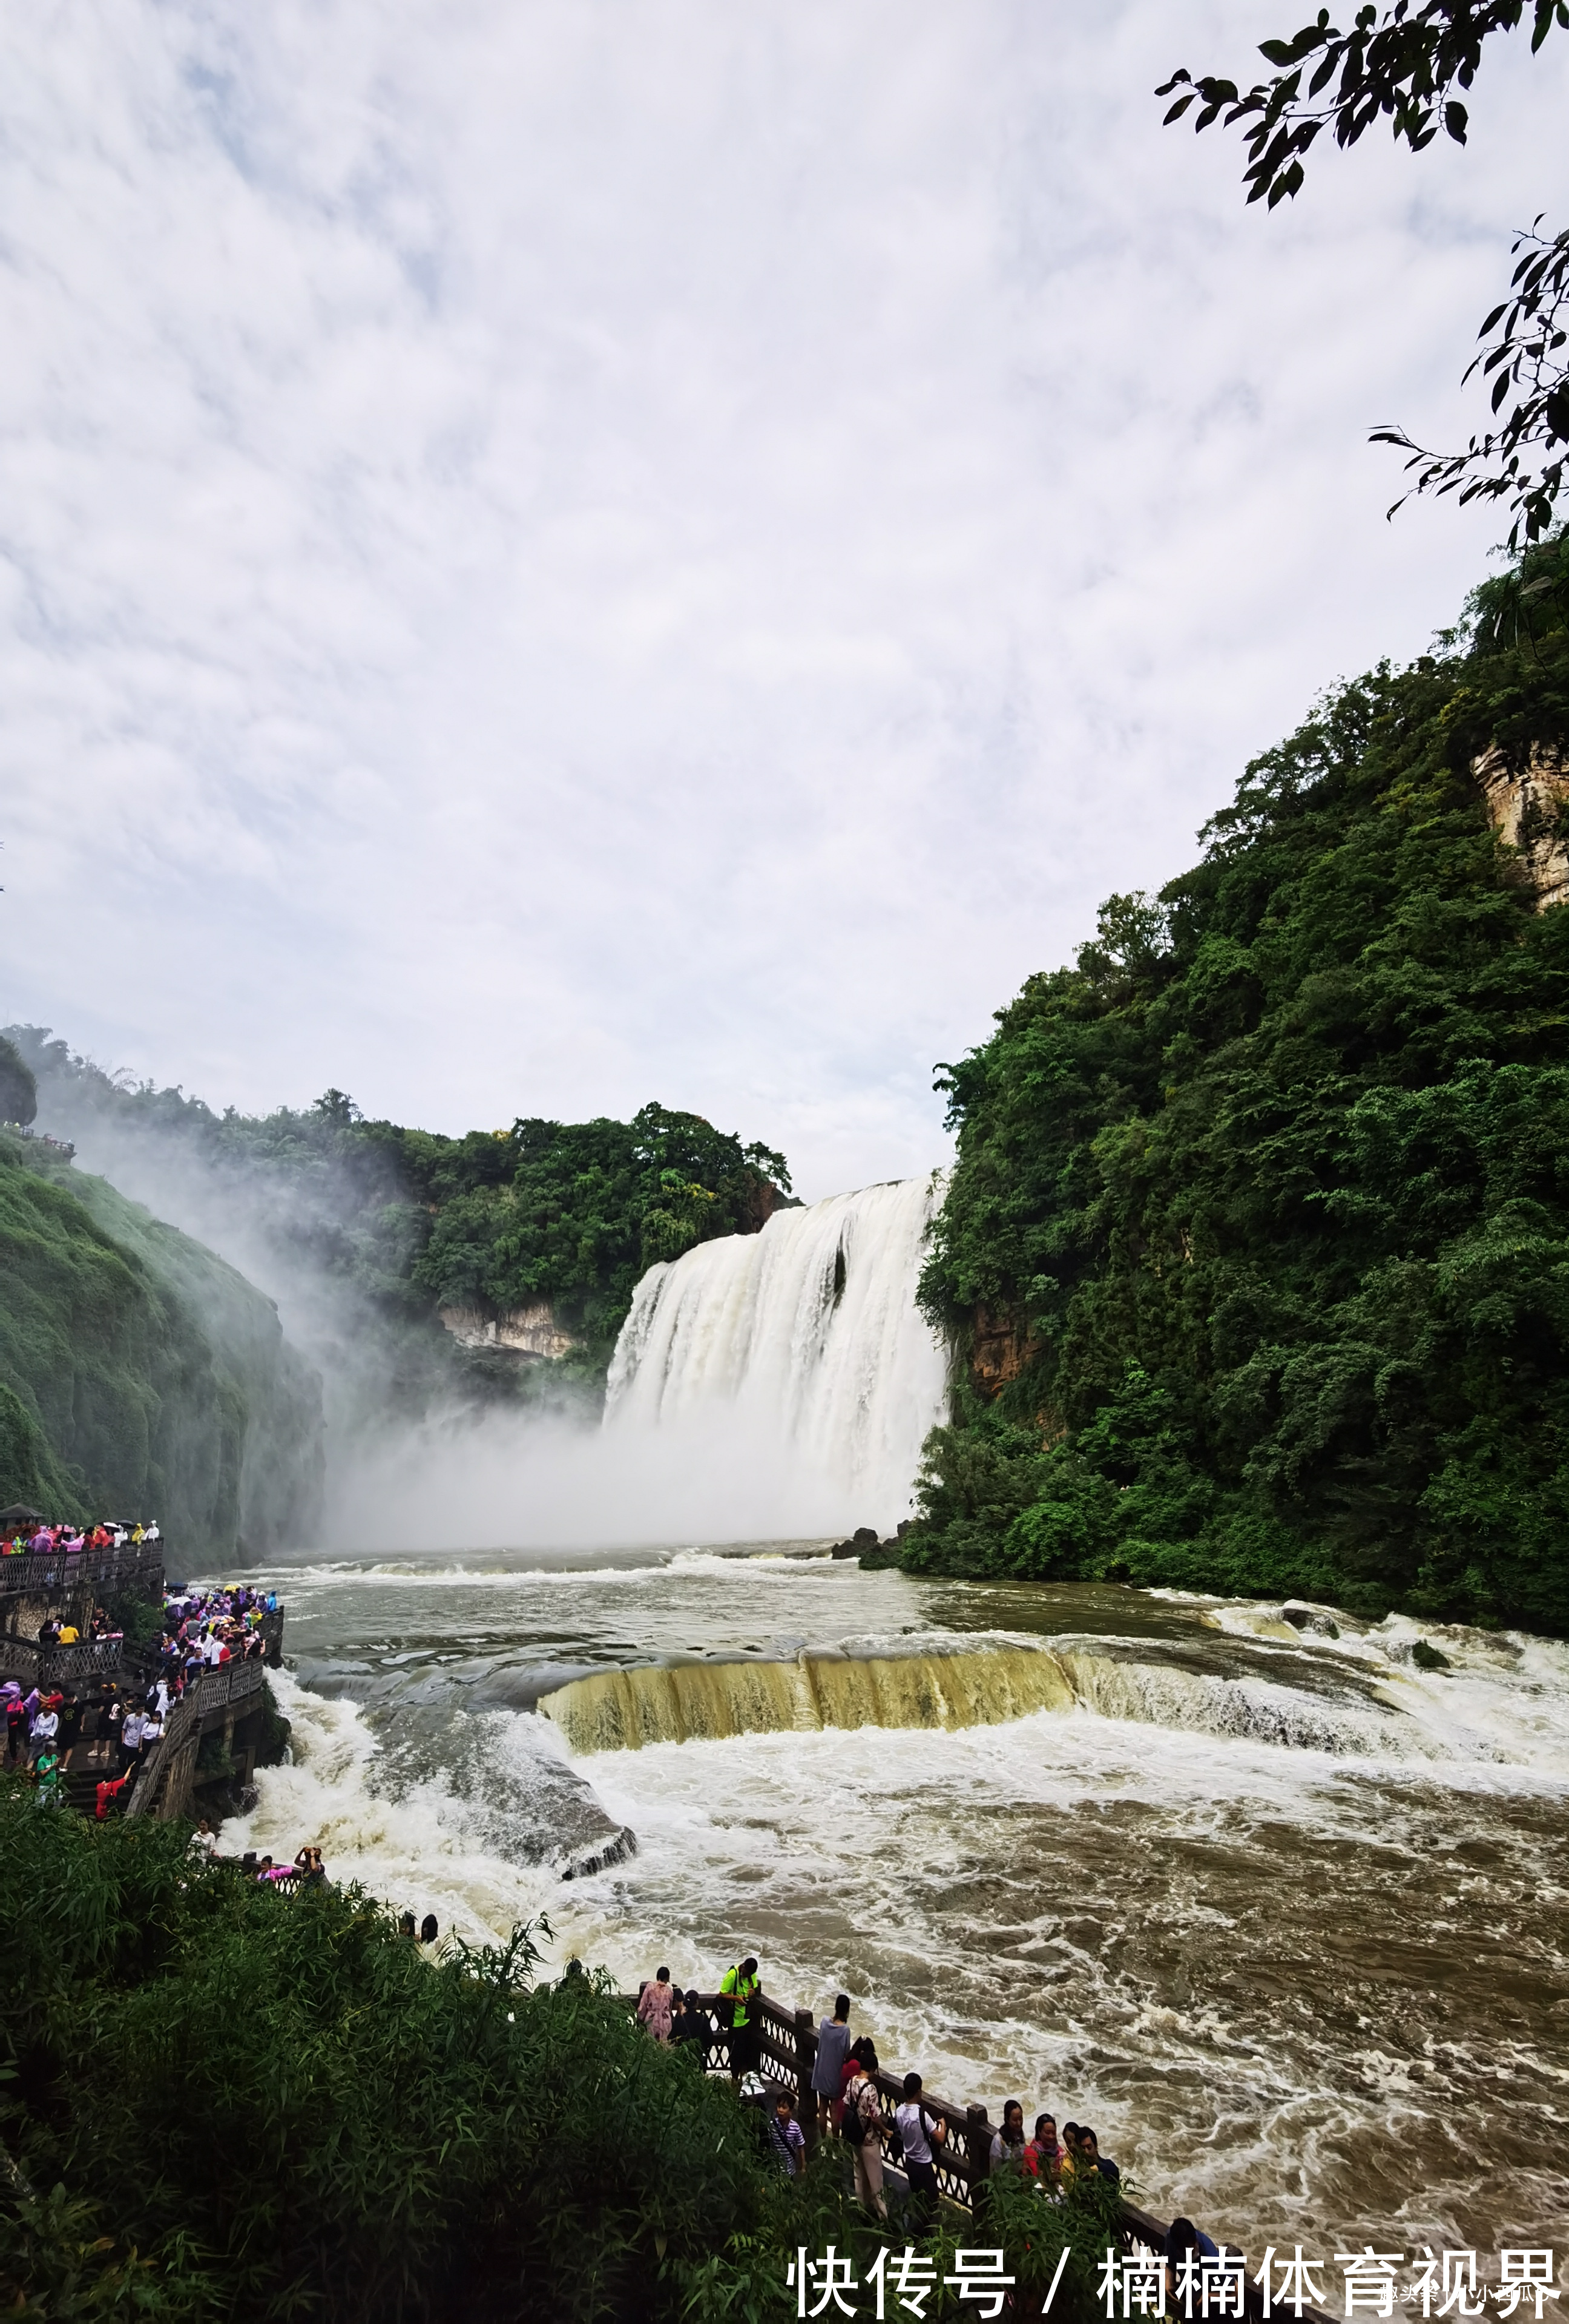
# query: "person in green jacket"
739,1987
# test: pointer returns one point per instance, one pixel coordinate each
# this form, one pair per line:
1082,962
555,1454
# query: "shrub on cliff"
1269,1190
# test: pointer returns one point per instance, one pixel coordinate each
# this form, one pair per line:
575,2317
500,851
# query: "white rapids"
807,1334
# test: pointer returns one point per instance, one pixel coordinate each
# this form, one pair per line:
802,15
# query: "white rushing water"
1280,1911
805,1337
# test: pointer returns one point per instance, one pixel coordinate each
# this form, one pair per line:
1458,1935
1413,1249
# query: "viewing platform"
788,2046
231,1701
30,1574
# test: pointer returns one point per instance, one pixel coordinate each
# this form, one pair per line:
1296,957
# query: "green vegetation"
225,2102
140,1376
1257,1242
574,1215
18,1089
401,1223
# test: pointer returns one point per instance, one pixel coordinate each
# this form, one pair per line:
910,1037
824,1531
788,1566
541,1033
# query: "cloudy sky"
555,553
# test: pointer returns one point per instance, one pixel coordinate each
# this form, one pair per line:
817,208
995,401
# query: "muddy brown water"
1280,1914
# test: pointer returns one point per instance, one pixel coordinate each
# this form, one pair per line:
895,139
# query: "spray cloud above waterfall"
461,1299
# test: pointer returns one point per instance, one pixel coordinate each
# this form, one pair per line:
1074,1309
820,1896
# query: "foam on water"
1281,1913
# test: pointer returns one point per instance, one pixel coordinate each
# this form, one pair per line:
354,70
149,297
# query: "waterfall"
623,1710
805,1339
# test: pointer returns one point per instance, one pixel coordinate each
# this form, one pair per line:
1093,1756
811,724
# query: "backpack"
861,2121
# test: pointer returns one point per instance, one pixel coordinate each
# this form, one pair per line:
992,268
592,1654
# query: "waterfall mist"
766,1387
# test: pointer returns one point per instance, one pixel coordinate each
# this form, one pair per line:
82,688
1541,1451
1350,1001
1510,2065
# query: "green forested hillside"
401,1223
1257,1242
140,1376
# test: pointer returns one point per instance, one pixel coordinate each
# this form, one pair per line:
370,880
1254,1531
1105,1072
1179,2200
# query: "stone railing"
236,1683
59,1569
88,1660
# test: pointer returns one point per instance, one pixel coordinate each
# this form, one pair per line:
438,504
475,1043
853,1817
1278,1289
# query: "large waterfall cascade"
807,1334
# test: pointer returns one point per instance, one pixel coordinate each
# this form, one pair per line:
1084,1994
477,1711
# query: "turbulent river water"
1278,1912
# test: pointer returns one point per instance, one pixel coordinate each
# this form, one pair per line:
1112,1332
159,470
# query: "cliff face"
1528,808
529,1332
140,1376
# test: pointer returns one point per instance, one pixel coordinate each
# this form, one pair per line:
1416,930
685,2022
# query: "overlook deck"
787,2041
31,1574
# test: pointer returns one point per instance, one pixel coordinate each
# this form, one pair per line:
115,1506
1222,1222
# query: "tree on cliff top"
1268,1195
1405,66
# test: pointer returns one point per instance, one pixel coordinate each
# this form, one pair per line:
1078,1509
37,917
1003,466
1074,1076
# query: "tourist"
1043,2155
655,2005
68,1632
152,1730
430,1928
108,1797
828,2069
405,1924
16,1726
740,1987
1008,2144
46,1775
1186,2248
690,2029
861,2125
70,1727
786,2137
204,1842
45,1725
308,1864
131,1739
1091,2159
917,2131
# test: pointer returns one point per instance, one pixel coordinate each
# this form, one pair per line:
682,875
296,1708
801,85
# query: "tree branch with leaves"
1405,65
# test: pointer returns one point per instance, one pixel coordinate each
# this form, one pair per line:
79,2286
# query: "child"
787,2138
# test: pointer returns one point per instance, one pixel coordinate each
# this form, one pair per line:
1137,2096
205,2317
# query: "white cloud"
555,555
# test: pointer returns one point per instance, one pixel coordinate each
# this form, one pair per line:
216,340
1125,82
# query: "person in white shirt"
204,1842
45,1728
918,2130
131,1739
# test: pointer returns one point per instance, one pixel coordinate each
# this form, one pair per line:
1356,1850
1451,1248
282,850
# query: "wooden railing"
788,2046
59,1569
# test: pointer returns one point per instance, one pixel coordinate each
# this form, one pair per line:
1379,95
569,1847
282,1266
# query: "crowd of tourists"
113,1723
42,1540
848,2101
205,1628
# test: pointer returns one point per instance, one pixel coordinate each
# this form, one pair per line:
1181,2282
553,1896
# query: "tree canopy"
1257,1242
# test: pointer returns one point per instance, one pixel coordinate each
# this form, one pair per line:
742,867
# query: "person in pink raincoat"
654,2004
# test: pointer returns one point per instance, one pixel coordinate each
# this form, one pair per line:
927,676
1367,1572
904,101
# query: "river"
1279,1913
